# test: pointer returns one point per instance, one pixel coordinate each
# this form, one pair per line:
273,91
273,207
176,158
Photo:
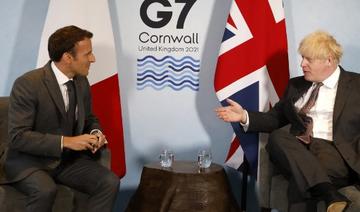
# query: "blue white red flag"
252,68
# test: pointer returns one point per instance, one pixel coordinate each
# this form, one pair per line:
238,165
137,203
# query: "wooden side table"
183,188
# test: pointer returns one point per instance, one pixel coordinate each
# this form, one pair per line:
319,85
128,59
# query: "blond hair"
320,45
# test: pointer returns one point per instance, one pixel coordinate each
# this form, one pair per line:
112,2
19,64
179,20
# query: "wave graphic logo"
168,72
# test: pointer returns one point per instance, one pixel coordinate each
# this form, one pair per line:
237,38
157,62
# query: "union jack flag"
252,68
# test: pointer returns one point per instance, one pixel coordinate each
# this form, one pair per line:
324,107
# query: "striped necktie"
308,121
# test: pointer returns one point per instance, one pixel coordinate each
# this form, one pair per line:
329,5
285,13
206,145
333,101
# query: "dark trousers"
82,174
307,165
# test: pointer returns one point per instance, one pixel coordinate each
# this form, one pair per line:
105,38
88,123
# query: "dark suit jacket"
346,116
36,121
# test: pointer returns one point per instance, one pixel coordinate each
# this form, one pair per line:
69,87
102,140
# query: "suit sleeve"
22,116
273,119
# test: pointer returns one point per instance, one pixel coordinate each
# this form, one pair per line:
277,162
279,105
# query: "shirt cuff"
246,124
97,131
62,143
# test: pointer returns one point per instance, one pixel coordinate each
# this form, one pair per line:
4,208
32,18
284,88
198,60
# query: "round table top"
188,167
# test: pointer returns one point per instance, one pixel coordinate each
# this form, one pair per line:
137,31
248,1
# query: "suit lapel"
53,88
301,89
342,94
80,105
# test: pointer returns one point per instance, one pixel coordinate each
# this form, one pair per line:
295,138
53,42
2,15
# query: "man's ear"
329,61
67,57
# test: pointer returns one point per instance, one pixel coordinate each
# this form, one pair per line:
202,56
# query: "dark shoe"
337,207
335,201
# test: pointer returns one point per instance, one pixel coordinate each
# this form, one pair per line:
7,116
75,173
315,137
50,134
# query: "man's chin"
307,77
85,74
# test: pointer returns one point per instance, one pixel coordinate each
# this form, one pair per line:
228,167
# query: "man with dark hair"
321,152
54,137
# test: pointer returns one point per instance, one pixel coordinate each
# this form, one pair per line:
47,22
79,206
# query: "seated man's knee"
109,182
39,186
45,192
276,139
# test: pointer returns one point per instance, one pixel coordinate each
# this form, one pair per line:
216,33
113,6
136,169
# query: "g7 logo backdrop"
165,16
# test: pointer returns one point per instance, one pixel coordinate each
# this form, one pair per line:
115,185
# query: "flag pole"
244,168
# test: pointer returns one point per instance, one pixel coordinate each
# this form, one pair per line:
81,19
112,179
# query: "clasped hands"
93,141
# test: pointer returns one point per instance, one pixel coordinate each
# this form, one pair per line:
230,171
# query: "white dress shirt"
62,79
322,111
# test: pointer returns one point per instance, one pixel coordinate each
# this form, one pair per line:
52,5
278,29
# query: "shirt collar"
333,79
60,77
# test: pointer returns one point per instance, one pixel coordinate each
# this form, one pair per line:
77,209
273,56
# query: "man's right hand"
81,142
232,113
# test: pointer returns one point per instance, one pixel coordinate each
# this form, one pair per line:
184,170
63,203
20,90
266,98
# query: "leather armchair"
11,200
274,188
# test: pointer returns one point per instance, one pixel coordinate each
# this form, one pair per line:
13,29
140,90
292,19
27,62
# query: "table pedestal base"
183,189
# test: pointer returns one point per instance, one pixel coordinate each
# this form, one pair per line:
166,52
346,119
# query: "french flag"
103,75
252,68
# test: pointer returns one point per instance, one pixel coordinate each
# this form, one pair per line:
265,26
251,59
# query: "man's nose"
92,58
303,62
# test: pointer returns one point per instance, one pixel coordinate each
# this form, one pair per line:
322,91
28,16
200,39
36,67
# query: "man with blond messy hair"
320,153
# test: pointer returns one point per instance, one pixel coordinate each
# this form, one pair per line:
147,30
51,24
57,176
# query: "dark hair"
64,40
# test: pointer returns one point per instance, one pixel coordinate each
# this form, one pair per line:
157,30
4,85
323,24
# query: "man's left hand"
101,140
